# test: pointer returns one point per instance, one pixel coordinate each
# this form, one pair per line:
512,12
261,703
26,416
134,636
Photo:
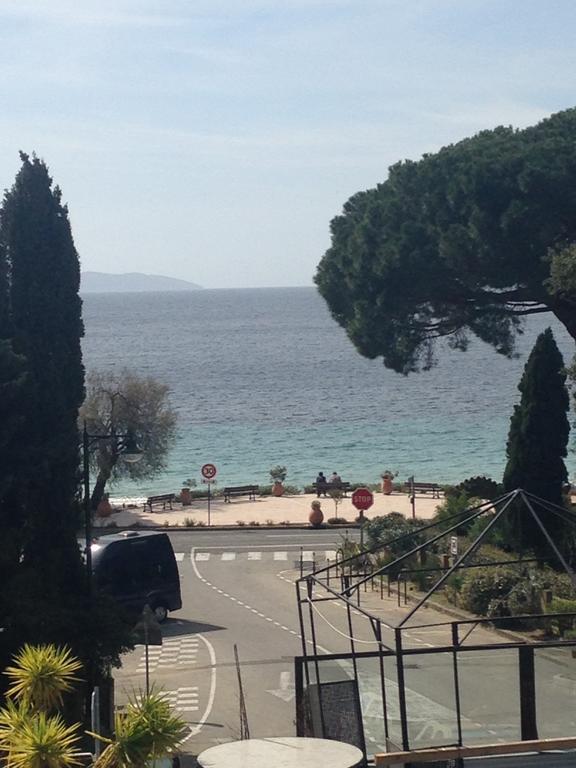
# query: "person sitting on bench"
321,485
335,480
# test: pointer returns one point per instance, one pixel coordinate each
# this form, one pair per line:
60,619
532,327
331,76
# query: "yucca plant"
37,740
146,730
31,737
40,676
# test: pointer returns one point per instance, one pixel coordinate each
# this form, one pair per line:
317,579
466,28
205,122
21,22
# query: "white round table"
283,752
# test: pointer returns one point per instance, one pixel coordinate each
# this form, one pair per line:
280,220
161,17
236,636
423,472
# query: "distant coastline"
132,282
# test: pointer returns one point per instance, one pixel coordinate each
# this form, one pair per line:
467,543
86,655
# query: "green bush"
484,589
454,504
560,626
383,528
481,487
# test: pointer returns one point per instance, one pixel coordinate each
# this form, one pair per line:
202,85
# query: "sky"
214,140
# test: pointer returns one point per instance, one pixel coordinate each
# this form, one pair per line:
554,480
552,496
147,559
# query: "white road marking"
280,555
228,556
202,556
254,555
330,554
179,556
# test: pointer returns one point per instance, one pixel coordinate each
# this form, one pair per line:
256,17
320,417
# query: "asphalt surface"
238,589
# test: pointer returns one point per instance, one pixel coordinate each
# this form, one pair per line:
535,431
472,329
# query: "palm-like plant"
37,740
31,737
146,730
41,675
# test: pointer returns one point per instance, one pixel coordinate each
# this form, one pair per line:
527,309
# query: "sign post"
362,499
208,474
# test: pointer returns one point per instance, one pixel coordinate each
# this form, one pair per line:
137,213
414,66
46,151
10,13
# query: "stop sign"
362,499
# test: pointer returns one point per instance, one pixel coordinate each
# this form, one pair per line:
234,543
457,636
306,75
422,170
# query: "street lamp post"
127,448
125,445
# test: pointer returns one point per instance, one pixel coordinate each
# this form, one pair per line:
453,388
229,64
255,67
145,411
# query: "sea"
260,377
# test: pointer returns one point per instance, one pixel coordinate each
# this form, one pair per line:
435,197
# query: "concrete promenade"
267,510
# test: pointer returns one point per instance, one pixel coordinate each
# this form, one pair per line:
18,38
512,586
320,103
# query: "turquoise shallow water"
263,377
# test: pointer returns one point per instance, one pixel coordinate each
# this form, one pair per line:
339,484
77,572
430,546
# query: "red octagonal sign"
362,498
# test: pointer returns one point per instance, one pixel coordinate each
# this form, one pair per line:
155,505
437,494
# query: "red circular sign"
362,498
208,471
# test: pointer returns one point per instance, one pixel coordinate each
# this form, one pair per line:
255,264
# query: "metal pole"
87,513
455,646
209,494
95,718
412,496
401,690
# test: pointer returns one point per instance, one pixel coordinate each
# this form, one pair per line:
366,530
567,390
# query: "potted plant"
278,475
186,493
316,516
104,508
386,485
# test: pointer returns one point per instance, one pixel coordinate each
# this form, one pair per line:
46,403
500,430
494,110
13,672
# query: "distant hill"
132,282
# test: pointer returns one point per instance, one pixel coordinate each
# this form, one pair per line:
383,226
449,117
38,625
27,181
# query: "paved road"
238,588
231,593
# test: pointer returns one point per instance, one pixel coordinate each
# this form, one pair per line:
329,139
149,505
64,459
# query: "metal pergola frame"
343,581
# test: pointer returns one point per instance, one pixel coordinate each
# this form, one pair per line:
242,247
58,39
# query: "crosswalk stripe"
308,555
179,556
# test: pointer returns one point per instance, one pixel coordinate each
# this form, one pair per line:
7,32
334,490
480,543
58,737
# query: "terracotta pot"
278,488
387,485
104,508
186,497
316,517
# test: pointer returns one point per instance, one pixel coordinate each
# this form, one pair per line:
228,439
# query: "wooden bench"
164,498
433,488
327,487
241,490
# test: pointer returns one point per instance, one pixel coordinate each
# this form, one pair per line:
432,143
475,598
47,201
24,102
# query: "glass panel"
430,700
489,695
555,672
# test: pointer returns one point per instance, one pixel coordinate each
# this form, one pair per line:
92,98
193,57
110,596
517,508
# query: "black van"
138,568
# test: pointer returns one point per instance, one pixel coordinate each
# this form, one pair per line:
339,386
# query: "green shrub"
454,504
337,521
383,528
561,626
481,487
484,589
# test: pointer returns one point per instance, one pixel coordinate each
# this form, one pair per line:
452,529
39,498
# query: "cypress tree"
42,278
537,444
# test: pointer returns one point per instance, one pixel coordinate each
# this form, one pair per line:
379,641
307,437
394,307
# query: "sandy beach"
266,510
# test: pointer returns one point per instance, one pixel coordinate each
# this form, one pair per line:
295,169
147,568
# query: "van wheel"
160,613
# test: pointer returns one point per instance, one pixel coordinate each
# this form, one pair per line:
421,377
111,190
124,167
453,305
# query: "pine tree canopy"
466,241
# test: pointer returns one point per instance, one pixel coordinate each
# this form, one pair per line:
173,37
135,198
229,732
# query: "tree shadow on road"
177,627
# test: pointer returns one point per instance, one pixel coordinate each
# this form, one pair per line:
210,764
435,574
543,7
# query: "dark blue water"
265,376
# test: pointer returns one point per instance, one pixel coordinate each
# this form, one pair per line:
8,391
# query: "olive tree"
122,405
